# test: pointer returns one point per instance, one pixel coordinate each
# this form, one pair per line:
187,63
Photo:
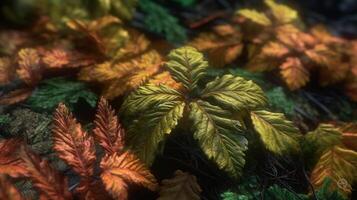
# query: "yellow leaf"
255,16
340,165
282,13
294,73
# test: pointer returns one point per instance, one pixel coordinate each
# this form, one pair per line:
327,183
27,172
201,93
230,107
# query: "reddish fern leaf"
46,179
10,163
73,145
108,132
7,190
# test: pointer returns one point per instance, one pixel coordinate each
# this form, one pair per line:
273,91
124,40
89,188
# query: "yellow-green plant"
217,114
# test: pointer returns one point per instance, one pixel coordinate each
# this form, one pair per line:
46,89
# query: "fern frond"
108,131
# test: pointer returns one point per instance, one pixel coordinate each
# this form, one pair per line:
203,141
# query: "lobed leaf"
235,93
10,162
187,66
108,131
323,137
257,17
149,131
282,13
277,133
50,183
219,136
294,73
72,144
7,190
340,165
147,96
119,170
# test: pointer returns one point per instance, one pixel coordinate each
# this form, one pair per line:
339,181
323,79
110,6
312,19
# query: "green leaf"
4,119
277,133
147,96
279,101
255,16
158,20
322,138
235,93
149,131
276,192
185,3
325,192
218,136
187,65
51,92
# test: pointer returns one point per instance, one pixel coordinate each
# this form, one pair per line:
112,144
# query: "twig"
310,184
324,108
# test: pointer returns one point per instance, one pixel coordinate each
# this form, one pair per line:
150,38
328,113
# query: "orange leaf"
72,144
108,132
275,49
165,78
7,190
10,163
6,71
46,179
15,96
56,58
121,170
29,66
294,73
222,47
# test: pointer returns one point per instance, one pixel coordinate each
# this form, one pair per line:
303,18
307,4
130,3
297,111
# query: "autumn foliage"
118,167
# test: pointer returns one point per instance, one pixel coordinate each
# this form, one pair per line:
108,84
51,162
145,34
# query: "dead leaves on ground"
118,167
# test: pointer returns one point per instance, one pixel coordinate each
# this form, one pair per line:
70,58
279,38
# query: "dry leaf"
46,179
183,186
223,46
121,170
340,165
7,190
29,66
294,73
72,144
6,71
275,49
10,162
108,132
15,96
56,58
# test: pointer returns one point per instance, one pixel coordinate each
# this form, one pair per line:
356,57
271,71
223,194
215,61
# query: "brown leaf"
7,190
72,144
6,71
29,66
294,73
10,162
183,186
121,170
108,132
56,58
165,78
46,179
15,96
